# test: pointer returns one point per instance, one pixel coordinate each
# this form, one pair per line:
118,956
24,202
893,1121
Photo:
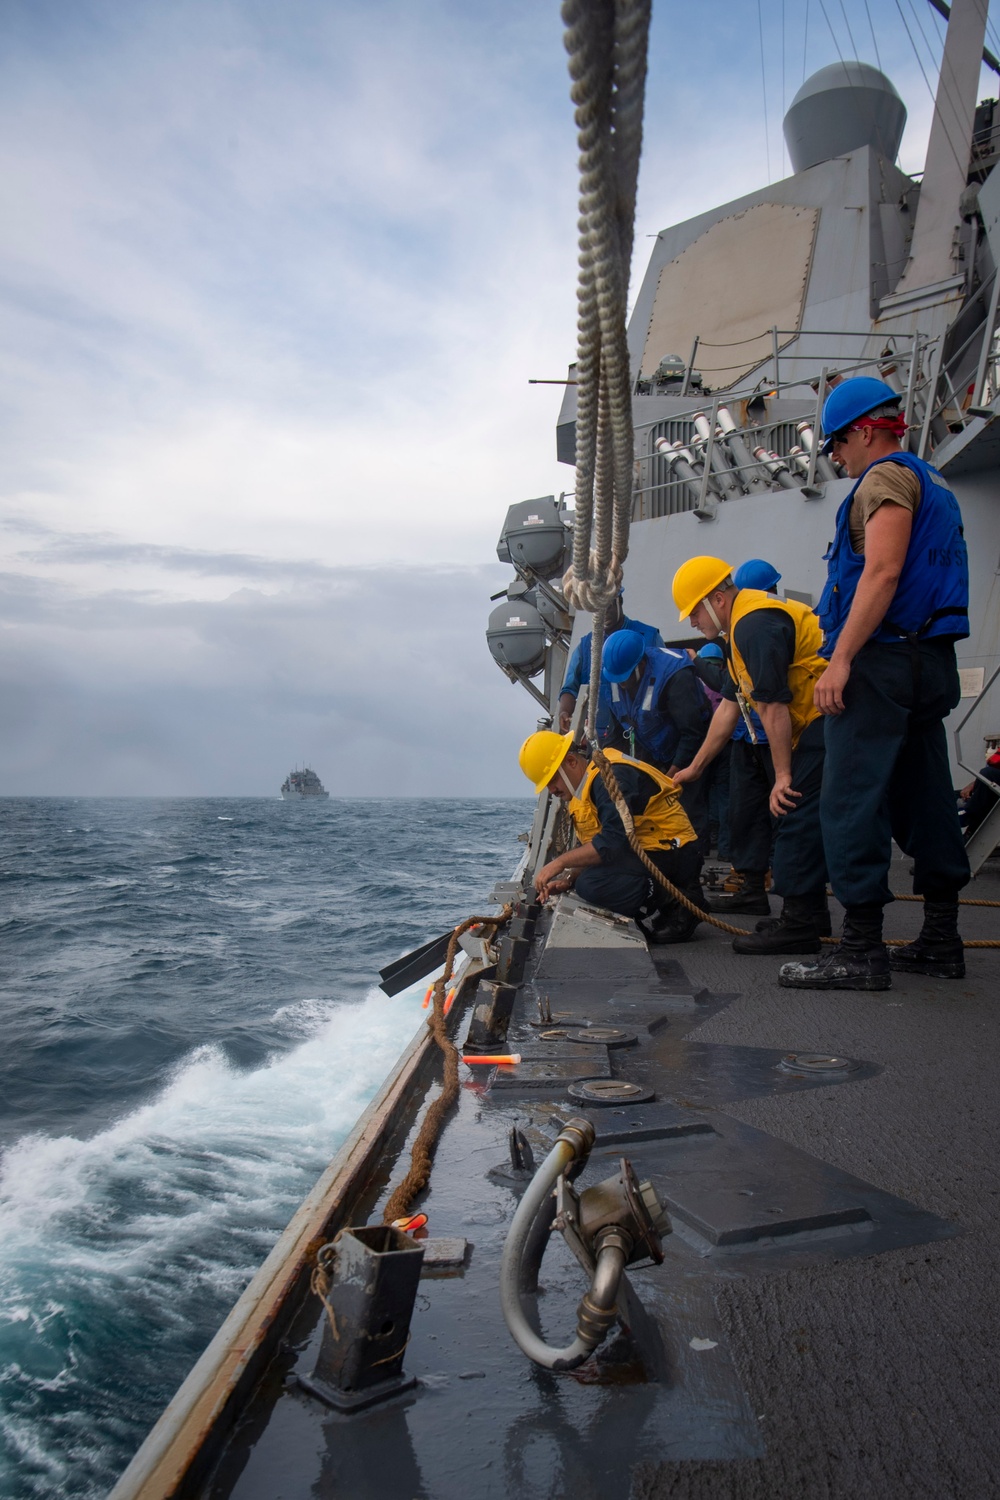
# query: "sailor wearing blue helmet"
661,710
895,602
757,574
578,669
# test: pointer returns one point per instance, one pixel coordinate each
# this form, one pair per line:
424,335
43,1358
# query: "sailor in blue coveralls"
662,711
895,602
578,669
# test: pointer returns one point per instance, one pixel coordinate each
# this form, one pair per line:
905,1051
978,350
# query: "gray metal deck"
853,1351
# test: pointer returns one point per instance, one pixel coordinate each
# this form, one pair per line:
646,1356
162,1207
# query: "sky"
273,281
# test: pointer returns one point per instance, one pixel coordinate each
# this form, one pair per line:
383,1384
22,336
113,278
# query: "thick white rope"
607,44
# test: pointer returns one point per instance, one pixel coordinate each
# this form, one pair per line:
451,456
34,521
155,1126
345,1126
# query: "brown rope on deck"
422,1151
962,900
614,791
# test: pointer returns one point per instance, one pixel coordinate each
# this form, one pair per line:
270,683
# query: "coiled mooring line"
422,1150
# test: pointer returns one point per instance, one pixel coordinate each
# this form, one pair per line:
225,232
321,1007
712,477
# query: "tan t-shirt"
890,481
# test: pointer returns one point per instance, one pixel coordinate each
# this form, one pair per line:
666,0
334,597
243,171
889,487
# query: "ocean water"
190,1028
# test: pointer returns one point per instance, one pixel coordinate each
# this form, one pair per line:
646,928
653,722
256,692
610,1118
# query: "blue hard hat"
851,400
712,650
623,651
756,574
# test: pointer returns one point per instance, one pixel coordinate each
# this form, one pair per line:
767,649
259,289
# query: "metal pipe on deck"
776,467
707,431
681,462
824,466
750,474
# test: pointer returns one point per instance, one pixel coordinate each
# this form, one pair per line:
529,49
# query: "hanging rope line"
422,1151
607,44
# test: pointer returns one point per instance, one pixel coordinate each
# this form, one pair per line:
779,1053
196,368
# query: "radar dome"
838,109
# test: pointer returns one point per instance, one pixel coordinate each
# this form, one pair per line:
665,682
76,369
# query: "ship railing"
981,843
686,462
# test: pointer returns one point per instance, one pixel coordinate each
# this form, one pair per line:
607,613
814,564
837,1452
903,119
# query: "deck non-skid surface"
825,1320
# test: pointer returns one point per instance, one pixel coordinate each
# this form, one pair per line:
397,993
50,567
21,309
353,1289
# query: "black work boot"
938,950
669,921
795,931
858,962
749,897
824,925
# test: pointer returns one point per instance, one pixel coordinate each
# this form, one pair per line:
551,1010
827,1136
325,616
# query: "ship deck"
825,1320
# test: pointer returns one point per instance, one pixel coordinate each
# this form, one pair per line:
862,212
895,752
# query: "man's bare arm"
720,732
777,722
887,536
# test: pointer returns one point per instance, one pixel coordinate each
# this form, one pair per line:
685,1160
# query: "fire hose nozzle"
580,1135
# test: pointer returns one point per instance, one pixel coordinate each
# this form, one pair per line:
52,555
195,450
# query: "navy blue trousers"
751,827
887,775
798,867
626,885
717,778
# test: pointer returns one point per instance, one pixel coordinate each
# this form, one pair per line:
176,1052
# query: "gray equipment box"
535,536
516,637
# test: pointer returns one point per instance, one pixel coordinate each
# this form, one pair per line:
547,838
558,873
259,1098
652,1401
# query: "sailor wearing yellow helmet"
603,867
774,662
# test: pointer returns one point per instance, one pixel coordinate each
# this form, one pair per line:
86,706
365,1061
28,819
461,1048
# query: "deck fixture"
373,1275
608,1227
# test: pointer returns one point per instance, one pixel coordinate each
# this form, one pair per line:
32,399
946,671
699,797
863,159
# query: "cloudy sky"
273,280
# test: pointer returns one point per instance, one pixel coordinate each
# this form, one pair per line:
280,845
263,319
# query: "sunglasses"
840,438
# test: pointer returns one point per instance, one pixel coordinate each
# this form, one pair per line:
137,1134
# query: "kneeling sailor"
603,868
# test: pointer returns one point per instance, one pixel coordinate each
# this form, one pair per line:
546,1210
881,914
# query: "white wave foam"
212,1128
141,1232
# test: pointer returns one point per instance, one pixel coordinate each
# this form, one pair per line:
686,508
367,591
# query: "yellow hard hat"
542,754
695,580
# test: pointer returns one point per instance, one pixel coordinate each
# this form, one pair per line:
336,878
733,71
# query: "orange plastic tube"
410,1223
481,1060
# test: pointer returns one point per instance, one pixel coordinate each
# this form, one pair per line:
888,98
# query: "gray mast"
934,249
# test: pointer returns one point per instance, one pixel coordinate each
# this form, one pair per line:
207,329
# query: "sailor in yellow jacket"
603,868
772,649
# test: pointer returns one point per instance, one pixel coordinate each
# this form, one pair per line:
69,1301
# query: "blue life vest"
651,730
932,595
578,672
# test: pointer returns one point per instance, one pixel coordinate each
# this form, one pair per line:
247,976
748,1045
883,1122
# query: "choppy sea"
191,1025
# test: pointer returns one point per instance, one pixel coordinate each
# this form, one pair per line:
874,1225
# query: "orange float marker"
493,1060
449,1002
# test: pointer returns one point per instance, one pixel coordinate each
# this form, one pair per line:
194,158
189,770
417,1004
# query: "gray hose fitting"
596,1313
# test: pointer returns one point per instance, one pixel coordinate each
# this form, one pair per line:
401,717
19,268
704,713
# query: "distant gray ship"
303,785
